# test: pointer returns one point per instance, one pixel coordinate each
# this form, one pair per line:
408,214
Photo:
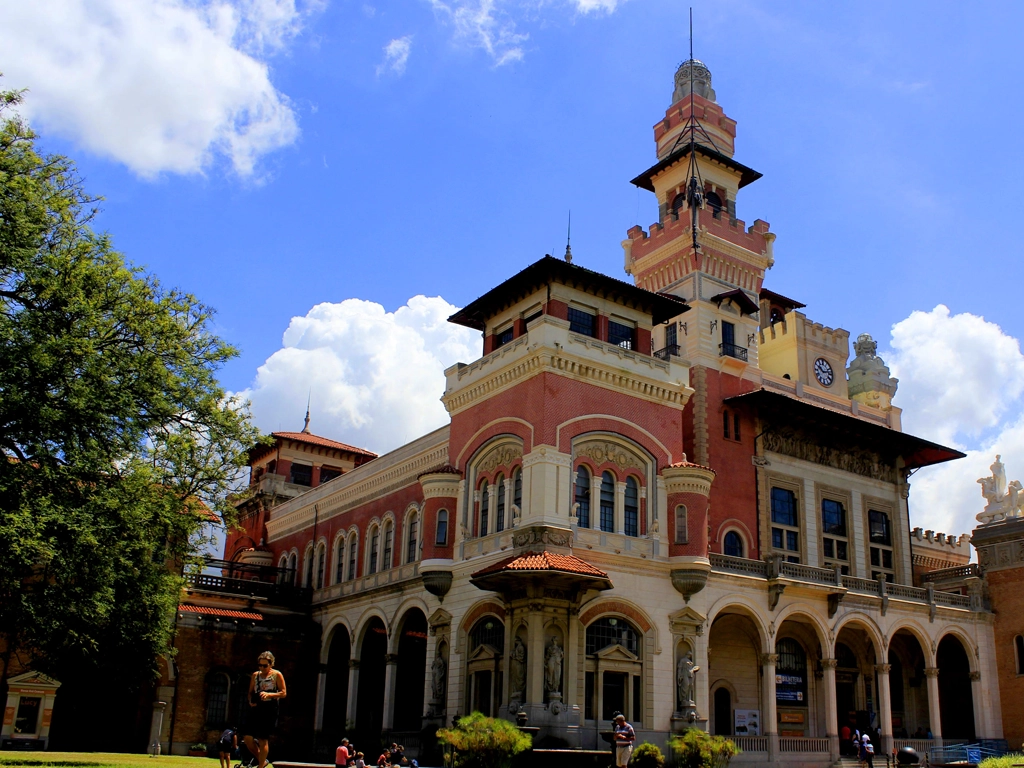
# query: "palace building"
675,497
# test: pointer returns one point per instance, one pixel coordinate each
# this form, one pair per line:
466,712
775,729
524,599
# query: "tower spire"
568,238
305,427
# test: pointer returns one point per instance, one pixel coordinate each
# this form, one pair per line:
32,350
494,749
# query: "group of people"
346,756
858,744
266,689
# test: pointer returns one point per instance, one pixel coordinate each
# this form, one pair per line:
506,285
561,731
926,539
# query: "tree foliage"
647,755
479,741
699,749
116,441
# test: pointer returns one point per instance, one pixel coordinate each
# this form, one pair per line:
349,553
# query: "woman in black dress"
266,689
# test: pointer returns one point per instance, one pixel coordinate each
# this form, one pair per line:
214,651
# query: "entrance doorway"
723,712
614,694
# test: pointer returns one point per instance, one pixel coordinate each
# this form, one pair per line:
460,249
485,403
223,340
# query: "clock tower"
699,250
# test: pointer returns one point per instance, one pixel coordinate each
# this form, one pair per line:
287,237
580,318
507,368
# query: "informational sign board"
973,755
748,722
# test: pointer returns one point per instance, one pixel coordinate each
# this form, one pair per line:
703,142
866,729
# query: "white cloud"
590,6
161,85
396,56
375,377
961,381
482,24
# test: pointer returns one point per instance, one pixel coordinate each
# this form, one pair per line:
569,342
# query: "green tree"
699,749
117,444
484,742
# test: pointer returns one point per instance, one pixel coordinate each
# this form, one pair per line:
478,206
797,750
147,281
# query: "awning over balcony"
839,427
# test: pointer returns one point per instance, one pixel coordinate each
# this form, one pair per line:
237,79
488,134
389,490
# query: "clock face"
823,372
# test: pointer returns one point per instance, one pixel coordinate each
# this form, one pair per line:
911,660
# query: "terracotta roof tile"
691,464
544,561
444,469
250,615
305,437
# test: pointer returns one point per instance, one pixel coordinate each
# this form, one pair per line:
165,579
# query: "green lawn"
101,760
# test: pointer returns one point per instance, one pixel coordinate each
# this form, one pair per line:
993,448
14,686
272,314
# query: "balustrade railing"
751,743
741,565
921,746
262,590
957,572
803,744
732,350
808,573
672,350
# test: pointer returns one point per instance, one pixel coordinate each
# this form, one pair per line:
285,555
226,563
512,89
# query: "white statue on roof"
1003,499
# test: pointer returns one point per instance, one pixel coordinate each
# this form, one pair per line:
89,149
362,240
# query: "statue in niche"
553,666
438,677
686,679
517,668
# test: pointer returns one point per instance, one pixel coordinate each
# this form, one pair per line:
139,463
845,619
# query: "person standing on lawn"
624,738
266,689
226,745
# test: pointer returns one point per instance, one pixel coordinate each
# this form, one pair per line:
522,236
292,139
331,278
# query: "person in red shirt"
341,755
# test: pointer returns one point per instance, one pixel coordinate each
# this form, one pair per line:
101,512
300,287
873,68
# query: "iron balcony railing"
670,351
731,350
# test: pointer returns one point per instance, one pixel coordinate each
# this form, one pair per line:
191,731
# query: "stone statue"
655,528
439,677
1003,499
517,668
553,666
516,515
686,677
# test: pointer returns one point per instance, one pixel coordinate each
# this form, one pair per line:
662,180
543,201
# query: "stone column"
535,655
390,680
156,725
831,707
508,491
595,501
620,507
981,721
353,693
931,674
769,718
884,707
321,694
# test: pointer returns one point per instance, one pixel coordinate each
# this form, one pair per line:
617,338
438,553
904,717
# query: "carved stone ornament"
883,669
691,479
847,459
829,663
1004,500
601,451
769,659
437,583
690,580
542,535
976,676
500,456
931,671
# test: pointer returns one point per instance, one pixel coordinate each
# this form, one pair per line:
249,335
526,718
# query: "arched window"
607,502
484,508
678,202
339,560
583,497
308,560
412,540
611,630
282,569
441,533
733,545
792,671
293,566
218,687
1018,643
632,508
517,490
353,549
715,203
321,566
374,548
682,533
488,631
499,511
389,540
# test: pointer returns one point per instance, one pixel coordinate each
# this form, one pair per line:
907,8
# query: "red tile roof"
305,437
444,469
691,464
250,615
544,561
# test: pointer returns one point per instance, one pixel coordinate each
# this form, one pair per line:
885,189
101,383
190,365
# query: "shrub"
647,755
484,742
698,749
1006,761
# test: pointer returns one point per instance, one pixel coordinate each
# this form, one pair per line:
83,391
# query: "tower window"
302,474
715,203
733,544
581,322
441,534
502,338
620,335
682,533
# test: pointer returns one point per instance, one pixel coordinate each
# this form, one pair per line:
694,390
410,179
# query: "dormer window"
582,322
302,474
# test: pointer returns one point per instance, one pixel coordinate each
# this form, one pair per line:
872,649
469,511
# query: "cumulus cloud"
590,6
961,381
375,377
396,56
161,85
482,24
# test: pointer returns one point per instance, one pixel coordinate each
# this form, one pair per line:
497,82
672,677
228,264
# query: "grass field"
100,760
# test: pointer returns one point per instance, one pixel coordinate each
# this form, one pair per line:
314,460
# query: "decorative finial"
305,427
568,237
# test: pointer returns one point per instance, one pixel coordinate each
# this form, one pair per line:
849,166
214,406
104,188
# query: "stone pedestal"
688,717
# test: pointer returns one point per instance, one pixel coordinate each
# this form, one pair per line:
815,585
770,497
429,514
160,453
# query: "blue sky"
279,157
